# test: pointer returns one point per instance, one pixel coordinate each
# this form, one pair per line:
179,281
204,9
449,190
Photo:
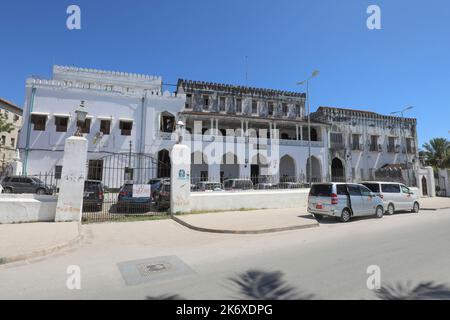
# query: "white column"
17,165
180,187
71,190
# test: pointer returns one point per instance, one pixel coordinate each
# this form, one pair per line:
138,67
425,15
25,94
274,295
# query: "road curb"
434,209
262,231
44,252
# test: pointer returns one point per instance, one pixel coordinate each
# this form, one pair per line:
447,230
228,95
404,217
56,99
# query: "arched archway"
164,165
314,135
199,167
229,167
287,169
316,170
337,170
424,186
167,122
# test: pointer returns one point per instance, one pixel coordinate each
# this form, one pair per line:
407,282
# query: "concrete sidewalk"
434,203
32,240
249,222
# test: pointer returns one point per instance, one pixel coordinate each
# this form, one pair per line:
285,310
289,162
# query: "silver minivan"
343,201
396,196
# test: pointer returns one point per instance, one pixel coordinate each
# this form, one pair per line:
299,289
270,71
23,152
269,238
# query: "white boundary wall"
18,208
263,199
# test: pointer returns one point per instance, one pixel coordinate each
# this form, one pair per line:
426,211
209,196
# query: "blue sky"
405,63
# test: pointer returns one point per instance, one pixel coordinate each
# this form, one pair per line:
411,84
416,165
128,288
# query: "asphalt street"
328,262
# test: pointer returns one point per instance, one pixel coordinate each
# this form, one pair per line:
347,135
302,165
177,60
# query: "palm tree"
437,153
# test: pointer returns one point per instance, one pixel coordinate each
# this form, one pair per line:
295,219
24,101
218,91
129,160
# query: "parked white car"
396,196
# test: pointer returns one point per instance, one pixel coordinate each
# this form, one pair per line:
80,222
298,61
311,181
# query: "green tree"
5,126
437,153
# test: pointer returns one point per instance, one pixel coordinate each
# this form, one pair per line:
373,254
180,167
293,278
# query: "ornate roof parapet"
347,115
104,77
101,88
190,86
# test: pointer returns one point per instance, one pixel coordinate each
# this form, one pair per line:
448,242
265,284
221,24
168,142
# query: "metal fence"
114,181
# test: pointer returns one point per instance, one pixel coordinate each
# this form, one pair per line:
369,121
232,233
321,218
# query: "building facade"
264,133
368,146
233,131
125,113
8,140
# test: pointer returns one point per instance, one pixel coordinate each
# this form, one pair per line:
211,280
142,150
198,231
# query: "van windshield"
321,190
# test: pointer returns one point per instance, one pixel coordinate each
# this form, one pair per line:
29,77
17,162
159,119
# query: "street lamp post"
403,137
314,74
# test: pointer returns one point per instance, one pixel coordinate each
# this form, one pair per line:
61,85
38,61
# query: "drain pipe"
143,116
27,143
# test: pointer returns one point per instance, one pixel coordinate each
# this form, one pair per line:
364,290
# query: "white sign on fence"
141,190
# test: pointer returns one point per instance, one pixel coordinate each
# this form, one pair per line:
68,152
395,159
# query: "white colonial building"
233,131
124,111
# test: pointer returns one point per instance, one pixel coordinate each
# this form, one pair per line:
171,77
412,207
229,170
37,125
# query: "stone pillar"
71,190
180,191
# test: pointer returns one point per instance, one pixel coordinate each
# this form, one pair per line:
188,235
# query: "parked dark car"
93,196
289,185
264,186
162,197
238,184
127,203
156,184
19,184
208,186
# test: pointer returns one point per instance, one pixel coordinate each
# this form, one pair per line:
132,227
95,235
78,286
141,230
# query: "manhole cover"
148,269
153,269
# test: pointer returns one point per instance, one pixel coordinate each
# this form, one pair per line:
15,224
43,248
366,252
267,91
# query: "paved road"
329,262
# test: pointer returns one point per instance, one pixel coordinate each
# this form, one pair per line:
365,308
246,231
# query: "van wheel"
416,207
391,209
40,191
379,212
346,215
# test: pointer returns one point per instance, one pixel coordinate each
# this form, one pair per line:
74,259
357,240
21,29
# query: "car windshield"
321,190
127,188
90,185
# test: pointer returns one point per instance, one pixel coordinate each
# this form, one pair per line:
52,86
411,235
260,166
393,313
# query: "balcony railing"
169,136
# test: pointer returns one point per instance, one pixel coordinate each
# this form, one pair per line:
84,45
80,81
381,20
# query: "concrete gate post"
180,190
71,190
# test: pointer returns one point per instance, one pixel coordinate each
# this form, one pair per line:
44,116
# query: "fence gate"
119,186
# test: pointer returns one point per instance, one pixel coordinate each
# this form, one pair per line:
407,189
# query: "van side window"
390,188
341,190
354,190
365,191
405,190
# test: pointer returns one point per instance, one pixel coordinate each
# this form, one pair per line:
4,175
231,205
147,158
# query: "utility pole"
403,137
